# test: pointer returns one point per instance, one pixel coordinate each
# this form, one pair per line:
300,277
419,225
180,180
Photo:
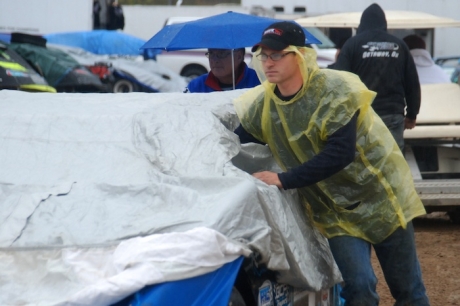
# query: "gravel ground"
438,248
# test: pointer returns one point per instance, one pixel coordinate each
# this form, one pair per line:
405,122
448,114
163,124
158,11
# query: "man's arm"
338,153
246,137
412,92
343,61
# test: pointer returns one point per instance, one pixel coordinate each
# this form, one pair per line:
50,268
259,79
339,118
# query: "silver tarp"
84,177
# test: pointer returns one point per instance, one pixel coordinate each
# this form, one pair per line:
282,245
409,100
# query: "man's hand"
268,177
409,124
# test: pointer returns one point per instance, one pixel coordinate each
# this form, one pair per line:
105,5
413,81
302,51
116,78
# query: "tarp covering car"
91,184
59,69
17,74
147,74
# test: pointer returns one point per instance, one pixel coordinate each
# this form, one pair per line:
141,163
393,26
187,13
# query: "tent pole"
233,70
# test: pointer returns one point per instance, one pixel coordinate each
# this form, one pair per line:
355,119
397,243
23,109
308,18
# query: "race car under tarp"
102,196
59,69
134,72
16,73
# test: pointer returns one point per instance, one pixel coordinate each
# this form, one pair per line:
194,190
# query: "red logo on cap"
273,31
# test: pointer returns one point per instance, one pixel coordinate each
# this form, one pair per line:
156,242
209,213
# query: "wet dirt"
438,248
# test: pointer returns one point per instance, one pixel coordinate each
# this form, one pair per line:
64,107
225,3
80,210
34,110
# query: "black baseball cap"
279,35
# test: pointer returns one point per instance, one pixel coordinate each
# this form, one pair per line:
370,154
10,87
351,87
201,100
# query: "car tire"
454,216
123,86
236,299
193,71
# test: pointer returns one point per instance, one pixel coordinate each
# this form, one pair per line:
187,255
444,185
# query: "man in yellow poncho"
350,175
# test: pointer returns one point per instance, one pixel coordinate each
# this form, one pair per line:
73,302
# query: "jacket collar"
214,83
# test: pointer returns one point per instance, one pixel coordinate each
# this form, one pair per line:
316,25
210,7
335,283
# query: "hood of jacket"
373,18
422,57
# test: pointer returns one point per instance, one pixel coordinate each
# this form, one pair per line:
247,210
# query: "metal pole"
233,70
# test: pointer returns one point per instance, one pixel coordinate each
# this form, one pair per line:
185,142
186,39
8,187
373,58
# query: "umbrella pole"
233,70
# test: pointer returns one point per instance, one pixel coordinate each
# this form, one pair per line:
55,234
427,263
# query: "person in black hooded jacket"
384,64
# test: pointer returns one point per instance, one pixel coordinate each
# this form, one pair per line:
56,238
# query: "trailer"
433,149
33,17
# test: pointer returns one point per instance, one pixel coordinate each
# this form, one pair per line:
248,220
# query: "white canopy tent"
395,20
406,22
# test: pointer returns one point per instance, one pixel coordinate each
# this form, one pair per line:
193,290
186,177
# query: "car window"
326,41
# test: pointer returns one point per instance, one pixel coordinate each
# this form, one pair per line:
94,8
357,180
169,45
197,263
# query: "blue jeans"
399,262
395,123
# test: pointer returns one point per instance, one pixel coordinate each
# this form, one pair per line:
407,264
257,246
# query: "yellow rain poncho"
377,184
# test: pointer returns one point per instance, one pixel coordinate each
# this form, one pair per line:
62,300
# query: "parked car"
449,64
326,51
59,69
17,74
127,73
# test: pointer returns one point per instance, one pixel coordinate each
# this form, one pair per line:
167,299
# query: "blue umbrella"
224,31
229,30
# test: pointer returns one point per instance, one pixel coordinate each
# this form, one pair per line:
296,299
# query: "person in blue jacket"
220,78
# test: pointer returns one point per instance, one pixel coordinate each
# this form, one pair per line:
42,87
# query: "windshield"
326,43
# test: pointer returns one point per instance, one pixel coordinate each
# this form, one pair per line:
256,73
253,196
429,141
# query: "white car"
187,63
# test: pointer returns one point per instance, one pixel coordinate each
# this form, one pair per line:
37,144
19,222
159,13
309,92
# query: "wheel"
193,71
236,299
122,86
454,216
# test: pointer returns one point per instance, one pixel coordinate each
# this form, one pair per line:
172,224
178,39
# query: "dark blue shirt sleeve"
338,153
246,137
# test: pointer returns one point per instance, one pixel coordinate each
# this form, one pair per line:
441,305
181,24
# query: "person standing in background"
96,18
428,71
108,15
224,72
100,14
116,17
384,64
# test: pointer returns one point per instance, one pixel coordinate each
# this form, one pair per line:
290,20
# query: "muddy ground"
438,248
